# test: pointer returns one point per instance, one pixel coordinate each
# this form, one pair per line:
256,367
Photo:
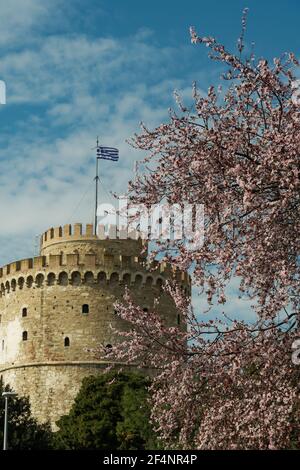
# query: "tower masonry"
54,306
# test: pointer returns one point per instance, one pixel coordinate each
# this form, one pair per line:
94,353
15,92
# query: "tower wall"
56,305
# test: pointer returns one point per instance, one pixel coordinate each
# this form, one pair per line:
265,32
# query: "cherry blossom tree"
236,152
227,384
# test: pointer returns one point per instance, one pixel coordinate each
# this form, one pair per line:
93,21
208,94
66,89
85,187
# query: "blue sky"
81,68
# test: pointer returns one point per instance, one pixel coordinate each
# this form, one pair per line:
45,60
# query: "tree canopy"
110,412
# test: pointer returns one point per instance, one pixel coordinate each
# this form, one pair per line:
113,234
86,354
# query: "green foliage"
24,432
111,411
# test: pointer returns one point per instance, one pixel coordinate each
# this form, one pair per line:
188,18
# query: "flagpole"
96,195
105,153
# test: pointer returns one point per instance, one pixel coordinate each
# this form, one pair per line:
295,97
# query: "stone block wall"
54,306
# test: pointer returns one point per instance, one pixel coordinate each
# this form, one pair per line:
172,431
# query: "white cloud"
236,307
43,178
18,17
69,89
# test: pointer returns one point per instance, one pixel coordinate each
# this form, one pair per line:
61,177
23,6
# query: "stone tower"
55,305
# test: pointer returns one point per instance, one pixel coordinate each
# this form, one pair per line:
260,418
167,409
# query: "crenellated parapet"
73,269
69,253
78,232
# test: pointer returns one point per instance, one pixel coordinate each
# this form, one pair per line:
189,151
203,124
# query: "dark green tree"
111,411
24,432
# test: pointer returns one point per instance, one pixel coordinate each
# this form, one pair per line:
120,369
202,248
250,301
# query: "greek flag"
108,153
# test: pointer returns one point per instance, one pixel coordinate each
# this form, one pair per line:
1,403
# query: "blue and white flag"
108,153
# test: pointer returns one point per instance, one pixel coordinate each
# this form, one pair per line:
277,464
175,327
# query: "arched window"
138,280
24,312
3,345
126,278
108,347
89,277
21,282
114,278
39,280
29,281
178,319
149,281
24,336
102,277
63,279
67,342
85,309
145,309
51,279
76,278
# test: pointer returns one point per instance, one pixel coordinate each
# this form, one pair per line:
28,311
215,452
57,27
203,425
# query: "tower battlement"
64,269
78,232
